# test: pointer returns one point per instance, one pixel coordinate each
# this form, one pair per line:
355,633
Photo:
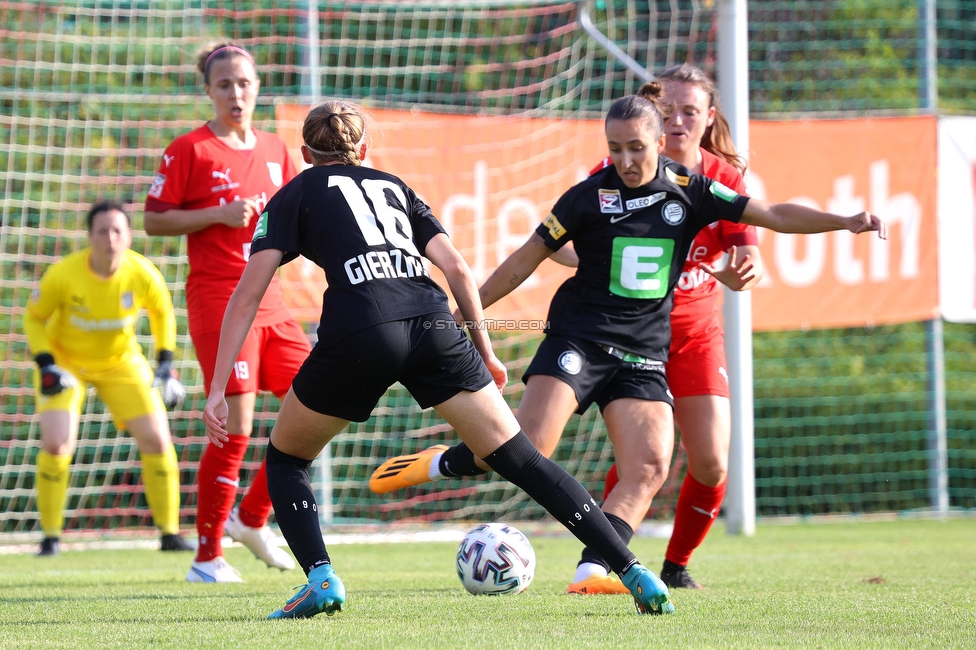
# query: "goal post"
733,82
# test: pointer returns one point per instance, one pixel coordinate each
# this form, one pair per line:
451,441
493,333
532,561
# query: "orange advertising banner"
492,180
887,166
489,180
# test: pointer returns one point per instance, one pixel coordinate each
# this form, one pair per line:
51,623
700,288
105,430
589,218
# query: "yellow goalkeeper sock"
161,476
52,490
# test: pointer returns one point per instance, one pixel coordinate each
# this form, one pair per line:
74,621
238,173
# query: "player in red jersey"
697,136
212,185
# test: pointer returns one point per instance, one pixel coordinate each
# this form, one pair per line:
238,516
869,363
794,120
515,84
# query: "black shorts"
599,373
429,355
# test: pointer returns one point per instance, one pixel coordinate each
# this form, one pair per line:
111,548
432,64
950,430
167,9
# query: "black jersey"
632,244
368,231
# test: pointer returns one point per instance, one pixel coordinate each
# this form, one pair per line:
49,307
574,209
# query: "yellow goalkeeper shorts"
126,389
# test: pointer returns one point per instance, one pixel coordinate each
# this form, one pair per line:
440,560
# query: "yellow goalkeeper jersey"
89,321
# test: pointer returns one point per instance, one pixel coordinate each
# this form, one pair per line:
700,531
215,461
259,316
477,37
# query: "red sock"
217,481
611,480
697,509
256,504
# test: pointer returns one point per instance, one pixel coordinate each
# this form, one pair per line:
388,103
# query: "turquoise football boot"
650,594
323,593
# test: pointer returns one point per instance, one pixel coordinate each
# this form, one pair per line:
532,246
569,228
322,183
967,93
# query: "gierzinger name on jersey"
383,265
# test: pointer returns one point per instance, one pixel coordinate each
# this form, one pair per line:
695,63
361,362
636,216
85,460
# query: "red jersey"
712,242
198,170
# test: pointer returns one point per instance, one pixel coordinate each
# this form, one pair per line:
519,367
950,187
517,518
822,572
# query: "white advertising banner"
957,218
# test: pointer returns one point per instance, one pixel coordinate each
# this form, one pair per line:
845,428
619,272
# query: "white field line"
22,544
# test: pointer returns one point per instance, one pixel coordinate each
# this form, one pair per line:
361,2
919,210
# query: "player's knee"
708,466
57,447
709,473
646,478
545,443
57,441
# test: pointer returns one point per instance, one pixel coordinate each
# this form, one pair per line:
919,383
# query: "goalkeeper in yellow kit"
80,326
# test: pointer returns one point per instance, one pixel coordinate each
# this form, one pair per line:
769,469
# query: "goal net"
93,92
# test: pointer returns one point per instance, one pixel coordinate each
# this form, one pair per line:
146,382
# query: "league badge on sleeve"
156,189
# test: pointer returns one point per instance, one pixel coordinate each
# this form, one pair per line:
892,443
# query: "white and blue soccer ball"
495,559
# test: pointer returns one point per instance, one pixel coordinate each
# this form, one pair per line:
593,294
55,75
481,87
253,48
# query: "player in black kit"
632,225
384,320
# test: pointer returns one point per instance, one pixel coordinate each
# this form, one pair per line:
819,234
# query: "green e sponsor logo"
261,229
640,267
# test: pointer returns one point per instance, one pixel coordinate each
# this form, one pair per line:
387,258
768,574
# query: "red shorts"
269,359
696,362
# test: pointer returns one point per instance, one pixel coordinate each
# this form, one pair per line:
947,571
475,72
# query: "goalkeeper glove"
169,386
53,379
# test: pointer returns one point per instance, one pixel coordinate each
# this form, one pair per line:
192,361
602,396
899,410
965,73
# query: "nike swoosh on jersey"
620,218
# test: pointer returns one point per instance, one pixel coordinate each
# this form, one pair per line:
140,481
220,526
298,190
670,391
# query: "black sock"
459,461
555,490
623,529
295,509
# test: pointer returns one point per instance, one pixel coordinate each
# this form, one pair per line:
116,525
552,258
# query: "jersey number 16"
396,225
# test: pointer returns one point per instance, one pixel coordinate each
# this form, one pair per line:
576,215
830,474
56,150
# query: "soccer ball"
495,559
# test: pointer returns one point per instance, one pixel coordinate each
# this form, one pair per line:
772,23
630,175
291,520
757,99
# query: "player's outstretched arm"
459,277
795,218
514,270
241,310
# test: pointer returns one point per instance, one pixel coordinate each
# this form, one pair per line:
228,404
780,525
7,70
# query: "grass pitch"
898,584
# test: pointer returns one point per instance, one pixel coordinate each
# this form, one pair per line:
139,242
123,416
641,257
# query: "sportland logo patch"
261,229
723,192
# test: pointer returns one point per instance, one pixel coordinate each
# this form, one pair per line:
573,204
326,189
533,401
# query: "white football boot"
215,570
260,541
